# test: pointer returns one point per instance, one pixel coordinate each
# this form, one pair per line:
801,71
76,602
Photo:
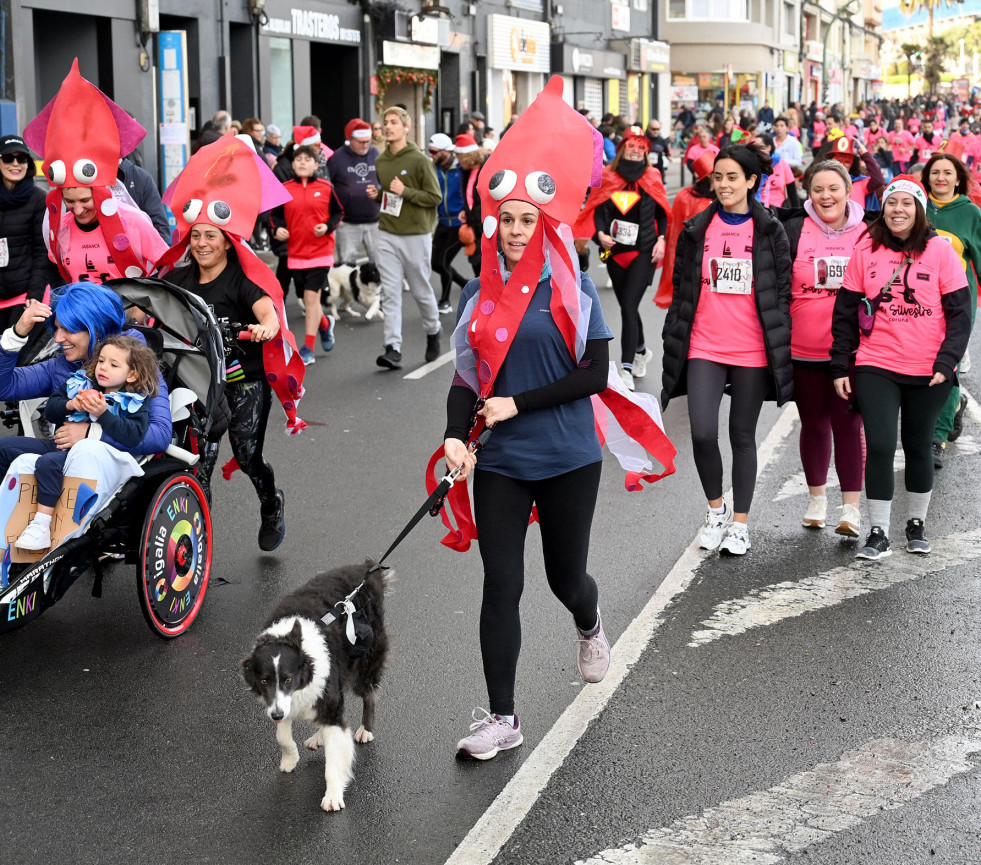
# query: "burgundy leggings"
824,416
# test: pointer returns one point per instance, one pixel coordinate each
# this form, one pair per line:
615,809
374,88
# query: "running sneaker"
593,658
816,514
938,448
958,427
432,346
876,546
489,734
444,307
627,377
916,541
640,363
714,529
307,355
327,333
850,522
391,359
272,528
735,542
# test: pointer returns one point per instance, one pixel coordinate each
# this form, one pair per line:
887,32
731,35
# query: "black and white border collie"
299,668
347,284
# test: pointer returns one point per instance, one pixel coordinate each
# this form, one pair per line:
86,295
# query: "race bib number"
4,252
829,271
731,275
391,203
624,233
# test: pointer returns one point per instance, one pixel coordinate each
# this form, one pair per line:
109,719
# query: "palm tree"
911,7
936,55
909,51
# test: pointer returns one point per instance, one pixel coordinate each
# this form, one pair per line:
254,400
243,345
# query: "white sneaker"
640,363
817,512
850,523
34,537
736,540
714,529
627,378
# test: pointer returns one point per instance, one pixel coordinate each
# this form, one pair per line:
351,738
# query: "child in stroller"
112,388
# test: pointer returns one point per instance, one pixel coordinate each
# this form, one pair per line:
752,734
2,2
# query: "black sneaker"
916,541
391,359
432,347
272,531
876,547
937,449
958,428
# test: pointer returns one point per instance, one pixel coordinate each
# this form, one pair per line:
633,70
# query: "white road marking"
432,366
513,803
805,809
786,600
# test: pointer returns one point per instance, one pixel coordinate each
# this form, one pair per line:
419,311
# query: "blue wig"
89,307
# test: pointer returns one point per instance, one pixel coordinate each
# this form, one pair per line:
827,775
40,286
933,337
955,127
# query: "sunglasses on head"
9,158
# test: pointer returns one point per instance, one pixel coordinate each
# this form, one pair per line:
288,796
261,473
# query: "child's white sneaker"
34,537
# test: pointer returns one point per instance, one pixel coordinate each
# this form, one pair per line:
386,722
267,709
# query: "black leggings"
502,506
446,244
706,382
883,402
249,402
629,285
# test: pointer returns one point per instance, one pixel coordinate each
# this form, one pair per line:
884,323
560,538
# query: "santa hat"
226,184
81,135
703,166
466,143
634,133
908,184
305,135
357,128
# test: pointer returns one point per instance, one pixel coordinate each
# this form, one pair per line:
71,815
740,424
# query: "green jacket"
960,221
421,195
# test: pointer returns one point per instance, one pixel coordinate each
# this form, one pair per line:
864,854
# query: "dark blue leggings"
50,468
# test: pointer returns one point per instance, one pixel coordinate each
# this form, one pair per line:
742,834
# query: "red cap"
843,147
357,128
702,167
466,143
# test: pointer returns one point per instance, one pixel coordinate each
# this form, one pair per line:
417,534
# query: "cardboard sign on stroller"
78,495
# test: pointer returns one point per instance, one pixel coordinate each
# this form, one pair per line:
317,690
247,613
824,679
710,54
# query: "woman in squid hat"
216,200
532,357
81,135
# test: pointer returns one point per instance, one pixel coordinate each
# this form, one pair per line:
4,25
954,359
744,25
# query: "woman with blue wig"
79,317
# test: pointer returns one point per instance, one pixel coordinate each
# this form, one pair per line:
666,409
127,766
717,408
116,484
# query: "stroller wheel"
175,556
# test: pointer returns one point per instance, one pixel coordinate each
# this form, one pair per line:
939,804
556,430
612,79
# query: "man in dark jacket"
141,188
352,170
660,154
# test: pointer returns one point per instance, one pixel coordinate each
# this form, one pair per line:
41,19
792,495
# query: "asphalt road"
784,707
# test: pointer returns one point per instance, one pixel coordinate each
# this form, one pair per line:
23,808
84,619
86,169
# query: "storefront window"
281,84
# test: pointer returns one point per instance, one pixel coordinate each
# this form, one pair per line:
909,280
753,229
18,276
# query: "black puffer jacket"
771,281
28,269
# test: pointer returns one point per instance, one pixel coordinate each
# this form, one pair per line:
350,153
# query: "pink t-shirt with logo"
910,324
902,145
695,150
727,327
817,275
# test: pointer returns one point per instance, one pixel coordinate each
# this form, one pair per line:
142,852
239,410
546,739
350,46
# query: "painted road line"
432,366
513,803
787,600
806,809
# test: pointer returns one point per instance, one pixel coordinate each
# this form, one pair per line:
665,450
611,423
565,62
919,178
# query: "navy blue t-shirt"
542,444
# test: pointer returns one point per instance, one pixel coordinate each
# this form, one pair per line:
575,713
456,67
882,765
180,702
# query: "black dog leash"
433,505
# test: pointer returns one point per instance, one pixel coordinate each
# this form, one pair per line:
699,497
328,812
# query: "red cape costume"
686,205
550,135
81,135
226,185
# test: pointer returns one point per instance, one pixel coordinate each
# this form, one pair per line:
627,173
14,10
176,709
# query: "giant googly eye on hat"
192,210
540,187
85,171
219,213
502,184
57,173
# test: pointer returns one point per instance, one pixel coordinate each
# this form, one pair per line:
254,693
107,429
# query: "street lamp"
843,10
